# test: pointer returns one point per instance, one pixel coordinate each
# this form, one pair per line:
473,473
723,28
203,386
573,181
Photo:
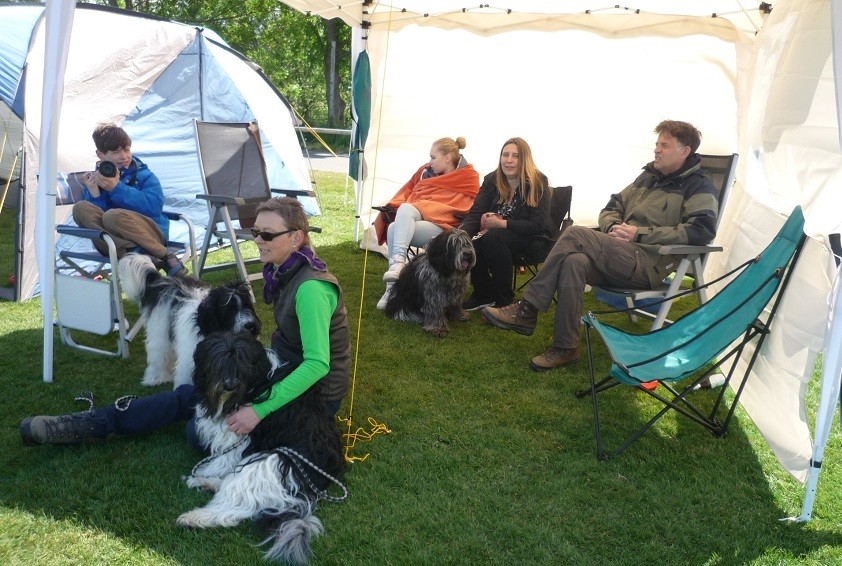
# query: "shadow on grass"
487,461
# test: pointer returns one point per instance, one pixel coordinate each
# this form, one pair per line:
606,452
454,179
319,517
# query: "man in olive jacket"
671,202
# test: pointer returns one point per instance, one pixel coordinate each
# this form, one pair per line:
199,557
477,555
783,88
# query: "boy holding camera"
124,199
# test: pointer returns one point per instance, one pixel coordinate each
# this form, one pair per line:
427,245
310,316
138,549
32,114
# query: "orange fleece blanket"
443,200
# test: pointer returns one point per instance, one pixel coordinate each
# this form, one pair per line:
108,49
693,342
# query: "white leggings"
409,230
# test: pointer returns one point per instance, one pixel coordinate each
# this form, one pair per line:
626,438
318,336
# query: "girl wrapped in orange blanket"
436,198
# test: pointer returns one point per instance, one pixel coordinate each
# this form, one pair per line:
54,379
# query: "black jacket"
523,220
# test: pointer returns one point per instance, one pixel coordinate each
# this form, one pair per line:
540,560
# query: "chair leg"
630,305
593,391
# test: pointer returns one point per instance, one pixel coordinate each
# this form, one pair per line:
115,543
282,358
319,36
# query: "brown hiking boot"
553,358
521,317
63,429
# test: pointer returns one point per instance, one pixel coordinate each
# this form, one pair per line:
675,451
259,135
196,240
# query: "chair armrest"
681,249
386,209
76,231
293,192
226,200
172,215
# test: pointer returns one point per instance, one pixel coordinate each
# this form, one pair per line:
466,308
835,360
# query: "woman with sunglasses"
311,338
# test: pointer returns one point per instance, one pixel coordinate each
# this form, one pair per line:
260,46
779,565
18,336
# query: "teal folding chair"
700,341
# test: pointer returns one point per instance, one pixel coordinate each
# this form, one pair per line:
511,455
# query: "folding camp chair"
235,182
531,258
88,291
651,303
695,344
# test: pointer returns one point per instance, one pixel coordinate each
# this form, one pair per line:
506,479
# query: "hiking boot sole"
536,367
26,433
499,324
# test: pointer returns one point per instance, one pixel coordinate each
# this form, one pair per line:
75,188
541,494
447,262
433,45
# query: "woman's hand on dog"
243,420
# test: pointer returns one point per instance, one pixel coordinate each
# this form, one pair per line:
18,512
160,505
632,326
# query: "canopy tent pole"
58,23
832,359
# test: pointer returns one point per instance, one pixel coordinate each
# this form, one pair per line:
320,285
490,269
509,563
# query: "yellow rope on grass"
361,434
351,438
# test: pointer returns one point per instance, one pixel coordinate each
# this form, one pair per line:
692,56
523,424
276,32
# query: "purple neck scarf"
272,276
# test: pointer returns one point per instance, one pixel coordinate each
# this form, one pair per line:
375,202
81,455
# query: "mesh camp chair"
531,259
88,293
695,345
654,304
235,181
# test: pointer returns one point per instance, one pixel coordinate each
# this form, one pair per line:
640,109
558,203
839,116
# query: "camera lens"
107,169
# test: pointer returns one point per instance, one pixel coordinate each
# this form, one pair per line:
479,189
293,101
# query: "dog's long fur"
431,287
252,477
178,313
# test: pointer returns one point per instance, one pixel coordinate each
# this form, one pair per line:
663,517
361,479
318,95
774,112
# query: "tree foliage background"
306,57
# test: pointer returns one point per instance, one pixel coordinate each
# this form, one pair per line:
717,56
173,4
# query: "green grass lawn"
487,462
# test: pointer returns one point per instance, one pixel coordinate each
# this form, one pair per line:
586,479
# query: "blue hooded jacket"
138,190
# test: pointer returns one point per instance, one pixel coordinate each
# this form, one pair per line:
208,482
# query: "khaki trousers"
128,229
581,257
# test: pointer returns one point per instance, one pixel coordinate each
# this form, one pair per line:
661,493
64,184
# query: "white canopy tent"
585,85
586,89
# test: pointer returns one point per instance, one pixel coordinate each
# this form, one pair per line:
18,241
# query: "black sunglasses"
269,236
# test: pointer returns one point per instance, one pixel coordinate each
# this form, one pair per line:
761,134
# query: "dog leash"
120,404
211,457
297,460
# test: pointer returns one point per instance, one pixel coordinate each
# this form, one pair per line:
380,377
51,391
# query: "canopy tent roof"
541,15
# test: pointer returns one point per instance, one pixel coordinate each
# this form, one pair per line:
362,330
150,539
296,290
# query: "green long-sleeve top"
315,302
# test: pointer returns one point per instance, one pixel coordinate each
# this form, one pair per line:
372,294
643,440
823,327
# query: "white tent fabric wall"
499,86
177,73
11,134
790,154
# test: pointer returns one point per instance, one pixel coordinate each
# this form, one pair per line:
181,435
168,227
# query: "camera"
107,169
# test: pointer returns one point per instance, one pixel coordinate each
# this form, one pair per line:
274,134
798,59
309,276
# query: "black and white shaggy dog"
430,288
178,313
278,472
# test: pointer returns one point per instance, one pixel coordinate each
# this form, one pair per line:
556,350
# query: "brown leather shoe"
521,317
554,357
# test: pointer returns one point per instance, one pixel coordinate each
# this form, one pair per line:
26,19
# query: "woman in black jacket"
512,208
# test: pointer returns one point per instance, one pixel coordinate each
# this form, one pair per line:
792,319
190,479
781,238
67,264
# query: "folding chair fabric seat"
684,348
540,247
235,182
89,298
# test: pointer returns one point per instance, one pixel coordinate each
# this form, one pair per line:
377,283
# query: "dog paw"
437,331
206,484
201,518
151,381
196,519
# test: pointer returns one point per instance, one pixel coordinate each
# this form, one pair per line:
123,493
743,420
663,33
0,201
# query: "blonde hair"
531,187
452,147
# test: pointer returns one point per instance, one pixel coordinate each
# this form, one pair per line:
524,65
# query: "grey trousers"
581,257
409,229
128,229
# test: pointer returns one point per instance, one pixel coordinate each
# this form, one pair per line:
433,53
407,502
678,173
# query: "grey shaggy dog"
430,288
